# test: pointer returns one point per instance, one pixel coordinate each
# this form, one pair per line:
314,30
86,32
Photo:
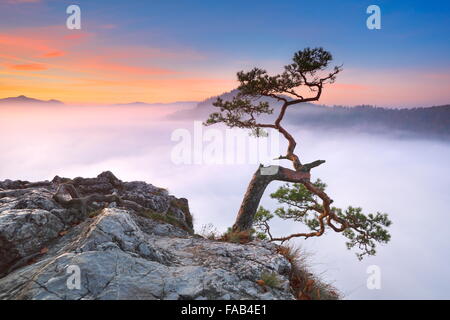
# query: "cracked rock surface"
48,251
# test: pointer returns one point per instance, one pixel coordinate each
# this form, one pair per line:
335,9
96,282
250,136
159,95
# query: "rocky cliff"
101,238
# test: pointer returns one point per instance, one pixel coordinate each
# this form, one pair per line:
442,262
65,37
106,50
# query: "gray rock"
24,232
119,253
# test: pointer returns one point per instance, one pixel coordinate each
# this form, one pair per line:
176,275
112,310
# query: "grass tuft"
304,284
241,237
270,279
209,232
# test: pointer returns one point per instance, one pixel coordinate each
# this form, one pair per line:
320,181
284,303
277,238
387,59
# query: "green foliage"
258,132
303,70
270,279
239,113
261,236
363,231
372,225
309,61
260,223
302,205
243,111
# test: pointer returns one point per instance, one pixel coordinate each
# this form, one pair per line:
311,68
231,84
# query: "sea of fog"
409,179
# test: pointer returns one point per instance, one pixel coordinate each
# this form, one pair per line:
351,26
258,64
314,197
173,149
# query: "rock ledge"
111,240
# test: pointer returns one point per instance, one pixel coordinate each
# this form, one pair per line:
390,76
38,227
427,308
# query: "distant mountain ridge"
431,122
145,104
205,107
26,100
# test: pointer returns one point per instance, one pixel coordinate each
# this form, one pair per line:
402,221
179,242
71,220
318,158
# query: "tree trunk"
255,190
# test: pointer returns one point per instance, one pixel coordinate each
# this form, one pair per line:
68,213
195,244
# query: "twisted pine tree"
307,201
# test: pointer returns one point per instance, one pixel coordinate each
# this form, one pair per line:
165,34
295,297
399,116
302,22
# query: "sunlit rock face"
140,246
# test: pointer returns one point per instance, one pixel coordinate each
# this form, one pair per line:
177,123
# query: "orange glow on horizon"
54,63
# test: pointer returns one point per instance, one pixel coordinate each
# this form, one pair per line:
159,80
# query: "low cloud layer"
406,178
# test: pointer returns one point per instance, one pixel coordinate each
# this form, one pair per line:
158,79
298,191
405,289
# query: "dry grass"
241,237
304,284
209,232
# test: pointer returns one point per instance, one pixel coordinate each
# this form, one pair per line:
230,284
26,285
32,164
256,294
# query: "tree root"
83,203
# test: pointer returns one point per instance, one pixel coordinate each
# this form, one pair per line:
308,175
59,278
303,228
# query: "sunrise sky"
165,51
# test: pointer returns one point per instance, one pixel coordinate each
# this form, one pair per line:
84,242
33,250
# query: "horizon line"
200,101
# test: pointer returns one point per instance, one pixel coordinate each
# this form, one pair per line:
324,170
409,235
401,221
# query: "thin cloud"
54,54
120,68
27,67
24,43
76,36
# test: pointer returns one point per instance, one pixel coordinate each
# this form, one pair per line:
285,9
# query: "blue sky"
234,35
